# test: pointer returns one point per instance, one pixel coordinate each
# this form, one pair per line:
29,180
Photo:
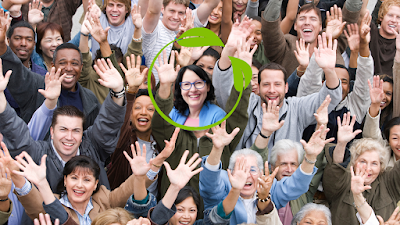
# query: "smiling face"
254,80
394,140
69,61
256,34
388,91
308,26
272,86
67,136
369,161
343,75
207,63
314,217
186,213
216,15
116,12
172,15
142,112
288,164
389,21
80,185
51,40
22,43
239,5
252,179
194,97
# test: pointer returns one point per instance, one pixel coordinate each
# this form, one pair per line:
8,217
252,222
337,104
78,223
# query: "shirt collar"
65,201
58,155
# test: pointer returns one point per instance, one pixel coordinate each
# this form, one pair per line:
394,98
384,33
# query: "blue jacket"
215,186
209,114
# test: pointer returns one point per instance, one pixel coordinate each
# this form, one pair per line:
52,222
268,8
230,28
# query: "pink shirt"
192,122
285,214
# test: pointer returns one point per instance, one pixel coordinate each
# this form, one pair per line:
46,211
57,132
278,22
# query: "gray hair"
312,207
246,152
286,146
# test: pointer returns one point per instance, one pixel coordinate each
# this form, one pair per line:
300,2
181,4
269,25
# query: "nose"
79,184
186,214
290,168
23,42
69,135
215,10
143,110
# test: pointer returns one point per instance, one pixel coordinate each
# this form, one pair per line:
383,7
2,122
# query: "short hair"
80,162
343,67
143,92
117,52
209,52
272,66
113,215
285,146
256,18
383,10
246,152
187,192
153,78
307,8
307,208
183,2
66,46
389,125
256,64
360,146
67,110
127,4
179,102
10,31
41,30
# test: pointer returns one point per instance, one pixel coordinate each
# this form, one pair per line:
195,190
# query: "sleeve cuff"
221,212
212,167
25,189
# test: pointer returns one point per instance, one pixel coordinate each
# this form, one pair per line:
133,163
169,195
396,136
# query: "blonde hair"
114,215
385,8
183,2
359,147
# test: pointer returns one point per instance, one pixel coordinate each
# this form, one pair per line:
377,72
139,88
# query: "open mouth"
143,121
307,31
79,193
68,144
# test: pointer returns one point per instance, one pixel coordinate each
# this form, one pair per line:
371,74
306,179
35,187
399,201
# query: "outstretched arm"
325,56
205,9
152,15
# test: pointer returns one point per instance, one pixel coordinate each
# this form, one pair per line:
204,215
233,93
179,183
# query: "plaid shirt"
60,13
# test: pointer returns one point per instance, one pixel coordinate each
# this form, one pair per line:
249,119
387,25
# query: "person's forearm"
338,152
215,156
50,104
139,188
364,49
165,90
4,205
331,78
45,192
170,196
137,33
105,49
83,43
224,62
374,109
3,102
363,208
230,201
262,205
262,142
353,59
397,56
306,166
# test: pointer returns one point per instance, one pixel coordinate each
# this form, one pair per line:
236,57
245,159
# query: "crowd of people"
314,137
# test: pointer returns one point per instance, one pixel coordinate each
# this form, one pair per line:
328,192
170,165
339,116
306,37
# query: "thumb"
43,162
167,167
381,222
42,92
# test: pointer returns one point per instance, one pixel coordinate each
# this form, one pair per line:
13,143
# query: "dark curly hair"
179,103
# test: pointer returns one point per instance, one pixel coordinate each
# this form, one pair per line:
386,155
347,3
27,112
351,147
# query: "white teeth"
70,76
392,26
143,120
184,222
307,30
248,183
113,15
79,192
68,144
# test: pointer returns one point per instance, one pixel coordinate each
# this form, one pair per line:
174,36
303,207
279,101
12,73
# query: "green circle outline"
169,120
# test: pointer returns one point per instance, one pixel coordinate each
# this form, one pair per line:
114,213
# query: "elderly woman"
365,153
313,213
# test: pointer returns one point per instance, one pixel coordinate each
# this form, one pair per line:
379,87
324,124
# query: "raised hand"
8,3
140,221
109,76
357,180
353,37
34,173
334,24
52,84
325,55
132,74
187,22
93,9
168,149
265,182
138,162
166,72
220,137
4,24
35,14
198,52
6,159
240,173
365,28
393,220
86,24
4,79
136,16
239,31
322,112
316,143
345,128
302,53
270,120
182,174
376,90
243,50
96,30
184,56
5,181
45,220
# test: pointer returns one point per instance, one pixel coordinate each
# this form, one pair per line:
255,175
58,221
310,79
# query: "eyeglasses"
198,84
